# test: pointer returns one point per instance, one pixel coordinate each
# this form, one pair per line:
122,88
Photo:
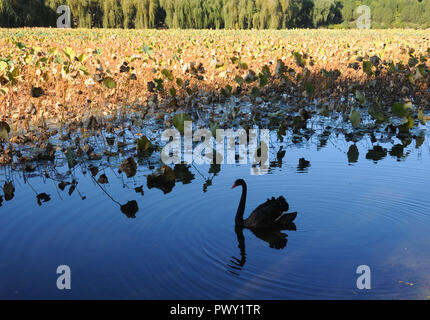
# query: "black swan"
270,215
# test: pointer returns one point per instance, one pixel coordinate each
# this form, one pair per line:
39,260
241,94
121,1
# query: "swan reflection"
274,237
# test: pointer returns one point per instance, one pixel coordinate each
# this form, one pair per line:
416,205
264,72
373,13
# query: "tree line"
216,14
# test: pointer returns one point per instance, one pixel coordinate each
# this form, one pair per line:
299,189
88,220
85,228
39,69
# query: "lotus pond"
168,232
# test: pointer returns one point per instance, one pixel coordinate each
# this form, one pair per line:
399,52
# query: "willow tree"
20,13
214,14
169,9
112,14
147,13
231,14
8,16
323,12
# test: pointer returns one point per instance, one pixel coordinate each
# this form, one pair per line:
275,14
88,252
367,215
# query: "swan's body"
271,214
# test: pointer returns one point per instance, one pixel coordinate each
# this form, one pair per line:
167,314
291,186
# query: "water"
182,244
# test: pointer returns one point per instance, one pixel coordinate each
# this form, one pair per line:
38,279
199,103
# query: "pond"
361,198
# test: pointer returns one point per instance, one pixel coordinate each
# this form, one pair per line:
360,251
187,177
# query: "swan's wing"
267,213
286,219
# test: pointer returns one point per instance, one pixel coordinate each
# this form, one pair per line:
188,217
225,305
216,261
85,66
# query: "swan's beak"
234,186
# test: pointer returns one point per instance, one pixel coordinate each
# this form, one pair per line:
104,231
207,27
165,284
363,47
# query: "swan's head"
239,182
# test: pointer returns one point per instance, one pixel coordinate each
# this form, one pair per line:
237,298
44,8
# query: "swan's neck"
241,209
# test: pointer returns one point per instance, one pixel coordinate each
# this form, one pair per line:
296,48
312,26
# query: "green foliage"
109,83
332,74
355,118
144,146
227,91
4,131
71,158
360,97
401,110
310,89
148,50
167,74
179,121
367,67
422,118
